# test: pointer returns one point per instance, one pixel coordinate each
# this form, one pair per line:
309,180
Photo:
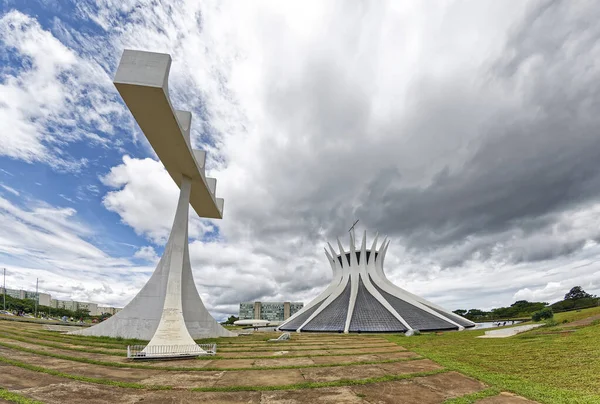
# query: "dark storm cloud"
531,162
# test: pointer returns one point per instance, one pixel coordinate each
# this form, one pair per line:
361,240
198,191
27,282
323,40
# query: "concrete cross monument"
168,310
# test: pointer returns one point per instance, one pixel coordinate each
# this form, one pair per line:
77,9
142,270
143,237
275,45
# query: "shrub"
545,313
550,322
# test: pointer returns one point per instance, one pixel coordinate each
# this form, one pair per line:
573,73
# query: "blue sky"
78,188
463,130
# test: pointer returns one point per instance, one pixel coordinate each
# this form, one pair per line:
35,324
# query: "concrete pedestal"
168,310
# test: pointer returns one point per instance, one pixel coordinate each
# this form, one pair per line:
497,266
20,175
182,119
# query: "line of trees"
230,320
575,299
27,306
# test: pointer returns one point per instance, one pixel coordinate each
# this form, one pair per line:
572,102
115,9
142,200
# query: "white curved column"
171,328
364,273
354,274
380,272
384,283
343,267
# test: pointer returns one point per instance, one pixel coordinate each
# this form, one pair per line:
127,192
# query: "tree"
543,314
477,313
81,313
104,316
460,312
577,293
231,320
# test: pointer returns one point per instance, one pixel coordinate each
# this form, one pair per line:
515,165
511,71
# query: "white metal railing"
170,351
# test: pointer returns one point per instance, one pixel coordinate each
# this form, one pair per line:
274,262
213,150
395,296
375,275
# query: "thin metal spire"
351,231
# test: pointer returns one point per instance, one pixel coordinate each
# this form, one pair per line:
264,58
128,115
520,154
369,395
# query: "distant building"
46,300
26,294
246,311
272,311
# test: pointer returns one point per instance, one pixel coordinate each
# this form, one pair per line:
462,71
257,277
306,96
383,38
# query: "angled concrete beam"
142,81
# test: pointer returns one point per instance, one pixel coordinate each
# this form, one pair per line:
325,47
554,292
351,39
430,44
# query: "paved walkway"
509,332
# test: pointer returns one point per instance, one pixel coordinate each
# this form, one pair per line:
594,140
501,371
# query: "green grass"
41,342
35,337
473,397
192,369
576,315
16,398
540,365
63,339
108,342
95,380
280,347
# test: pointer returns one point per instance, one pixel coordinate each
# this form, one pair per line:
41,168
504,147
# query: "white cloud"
53,98
147,253
50,243
11,190
47,235
306,104
548,292
146,199
316,113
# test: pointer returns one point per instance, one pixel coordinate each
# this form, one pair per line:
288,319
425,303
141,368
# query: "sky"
467,132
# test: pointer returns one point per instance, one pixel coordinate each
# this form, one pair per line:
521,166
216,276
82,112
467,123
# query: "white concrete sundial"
168,310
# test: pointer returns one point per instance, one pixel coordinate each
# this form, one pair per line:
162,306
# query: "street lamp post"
4,289
37,296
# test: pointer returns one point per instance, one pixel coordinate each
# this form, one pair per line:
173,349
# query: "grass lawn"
546,364
576,315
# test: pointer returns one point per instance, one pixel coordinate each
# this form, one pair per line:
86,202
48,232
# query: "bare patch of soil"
100,357
345,359
420,365
73,392
82,393
451,384
231,363
398,392
15,378
506,398
184,379
284,362
104,372
360,351
181,397
342,373
364,357
343,395
261,378
272,353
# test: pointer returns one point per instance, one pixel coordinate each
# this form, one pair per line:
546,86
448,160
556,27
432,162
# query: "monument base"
168,309
170,351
